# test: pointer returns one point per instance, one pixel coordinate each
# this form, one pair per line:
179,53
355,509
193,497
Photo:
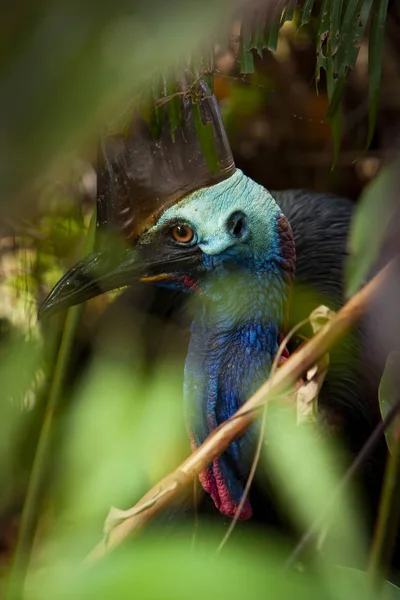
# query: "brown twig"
180,480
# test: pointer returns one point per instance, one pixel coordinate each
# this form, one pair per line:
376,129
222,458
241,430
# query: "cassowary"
254,262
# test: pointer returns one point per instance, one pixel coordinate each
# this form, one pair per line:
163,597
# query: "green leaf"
162,569
87,90
305,470
337,95
334,32
202,65
246,58
388,392
352,32
332,83
322,35
336,128
258,41
392,592
205,134
375,58
246,61
354,577
370,220
174,108
351,35
272,36
157,113
288,13
306,12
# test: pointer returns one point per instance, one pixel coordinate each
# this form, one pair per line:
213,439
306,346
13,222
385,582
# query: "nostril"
237,230
237,224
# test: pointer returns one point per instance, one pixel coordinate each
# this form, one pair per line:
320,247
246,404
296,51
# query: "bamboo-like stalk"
32,504
388,517
179,482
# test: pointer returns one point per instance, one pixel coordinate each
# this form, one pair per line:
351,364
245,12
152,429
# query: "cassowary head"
230,233
219,235
235,236
180,221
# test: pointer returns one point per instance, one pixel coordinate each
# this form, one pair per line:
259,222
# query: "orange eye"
182,233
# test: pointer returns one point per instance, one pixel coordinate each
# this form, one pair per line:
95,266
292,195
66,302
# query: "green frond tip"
336,127
246,58
156,112
322,37
341,31
258,38
272,36
205,135
288,12
306,12
246,62
375,60
174,109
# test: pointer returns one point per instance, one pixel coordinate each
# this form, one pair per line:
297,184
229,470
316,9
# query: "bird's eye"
182,233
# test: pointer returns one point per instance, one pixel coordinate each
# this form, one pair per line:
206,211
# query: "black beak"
104,271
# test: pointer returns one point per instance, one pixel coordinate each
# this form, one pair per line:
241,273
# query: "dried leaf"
307,394
320,316
116,516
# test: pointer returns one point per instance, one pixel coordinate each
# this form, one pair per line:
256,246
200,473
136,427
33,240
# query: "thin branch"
230,430
389,513
365,452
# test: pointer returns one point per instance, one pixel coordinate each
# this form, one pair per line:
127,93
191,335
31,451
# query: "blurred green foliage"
373,214
67,69
68,64
388,394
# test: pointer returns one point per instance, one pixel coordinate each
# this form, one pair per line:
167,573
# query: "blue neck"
223,368
228,359
246,272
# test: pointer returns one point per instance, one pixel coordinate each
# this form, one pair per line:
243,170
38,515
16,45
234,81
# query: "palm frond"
338,27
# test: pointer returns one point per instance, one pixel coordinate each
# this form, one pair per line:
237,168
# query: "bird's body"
255,265
227,359
246,272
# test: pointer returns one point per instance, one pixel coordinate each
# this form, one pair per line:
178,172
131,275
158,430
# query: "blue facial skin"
239,315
